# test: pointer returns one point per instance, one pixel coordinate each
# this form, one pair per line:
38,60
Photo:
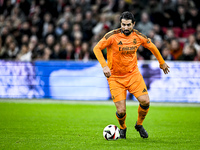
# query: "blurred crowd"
69,29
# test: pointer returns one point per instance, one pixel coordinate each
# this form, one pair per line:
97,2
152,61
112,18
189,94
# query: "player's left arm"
165,68
149,45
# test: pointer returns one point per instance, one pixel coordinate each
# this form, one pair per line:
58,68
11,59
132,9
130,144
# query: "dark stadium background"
41,39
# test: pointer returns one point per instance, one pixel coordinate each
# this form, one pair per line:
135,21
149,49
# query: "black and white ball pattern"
111,132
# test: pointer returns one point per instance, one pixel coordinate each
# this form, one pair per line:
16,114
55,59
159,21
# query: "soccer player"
122,71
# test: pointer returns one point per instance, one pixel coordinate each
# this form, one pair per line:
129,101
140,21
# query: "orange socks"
121,120
142,112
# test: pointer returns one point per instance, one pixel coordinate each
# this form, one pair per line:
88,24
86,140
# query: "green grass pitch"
52,126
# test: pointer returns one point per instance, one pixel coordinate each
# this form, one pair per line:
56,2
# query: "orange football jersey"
121,51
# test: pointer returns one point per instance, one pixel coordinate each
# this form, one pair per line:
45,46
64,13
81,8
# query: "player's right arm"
106,71
102,44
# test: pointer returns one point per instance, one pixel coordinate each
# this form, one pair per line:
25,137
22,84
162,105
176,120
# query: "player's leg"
143,108
139,90
121,117
142,112
118,92
121,113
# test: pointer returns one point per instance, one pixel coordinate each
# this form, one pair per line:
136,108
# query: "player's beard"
127,32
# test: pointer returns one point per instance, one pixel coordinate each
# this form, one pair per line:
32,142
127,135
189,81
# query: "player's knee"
121,111
145,102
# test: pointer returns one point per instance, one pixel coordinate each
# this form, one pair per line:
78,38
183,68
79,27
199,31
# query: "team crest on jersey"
134,41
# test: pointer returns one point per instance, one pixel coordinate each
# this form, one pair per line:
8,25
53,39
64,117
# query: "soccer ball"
111,132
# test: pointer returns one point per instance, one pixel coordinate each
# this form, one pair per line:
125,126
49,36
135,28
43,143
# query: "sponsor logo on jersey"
128,49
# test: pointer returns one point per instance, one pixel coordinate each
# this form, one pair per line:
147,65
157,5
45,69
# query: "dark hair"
127,15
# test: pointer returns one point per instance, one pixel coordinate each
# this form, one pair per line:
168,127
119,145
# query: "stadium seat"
177,31
188,32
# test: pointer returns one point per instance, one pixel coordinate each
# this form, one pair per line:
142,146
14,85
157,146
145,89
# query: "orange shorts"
132,82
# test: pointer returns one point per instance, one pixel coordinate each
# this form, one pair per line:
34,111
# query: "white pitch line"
109,102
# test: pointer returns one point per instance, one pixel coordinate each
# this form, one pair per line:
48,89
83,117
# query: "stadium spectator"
153,36
95,12
181,18
78,19
7,7
12,51
89,20
50,31
2,20
85,54
87,26
121,6
198,42
35,31
94,42
115,23
198,34
63,41
50,41
76,32
38,52
136,7
175,49
59,7
5,47
47,22
102,24
153,6
194,17
24,39
77,48
47,53
17,36
25,28
63,29
169,35
168,5
0,45
68,53
26,52
143,53
85,5
189,54
154,10
165,52
145,25
56,51
191,41
158,31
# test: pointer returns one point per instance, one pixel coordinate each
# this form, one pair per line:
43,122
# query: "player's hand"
106,71
165,68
